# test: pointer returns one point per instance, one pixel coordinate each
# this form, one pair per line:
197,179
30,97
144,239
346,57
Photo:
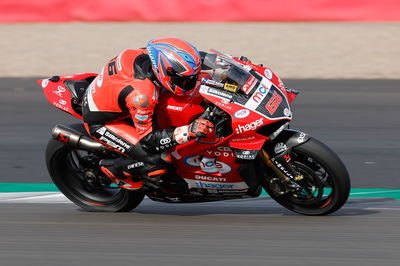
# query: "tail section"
66,92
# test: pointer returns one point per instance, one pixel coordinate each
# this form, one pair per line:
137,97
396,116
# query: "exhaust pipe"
76,139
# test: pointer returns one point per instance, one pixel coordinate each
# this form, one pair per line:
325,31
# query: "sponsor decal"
280,147
112,140
257,97
211,82
116,139
219,93
230,87
63,102
223,105
250,126
210,178
301,138
246,154
63,137
62,107
112,144
142,112
135,165
209,185
242,113
278,131
249,85
240,139
282,168
268,74
59,91
141,128
165,144
212,166
141,117
225,101
221,151
213,185
45,82
174,108
165,141
287,157
101,130
287,112
208,165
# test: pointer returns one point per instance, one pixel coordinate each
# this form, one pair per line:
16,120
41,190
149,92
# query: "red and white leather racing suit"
119,104
118,110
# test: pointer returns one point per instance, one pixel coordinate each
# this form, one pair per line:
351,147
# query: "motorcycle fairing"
222,174
64,96
290,138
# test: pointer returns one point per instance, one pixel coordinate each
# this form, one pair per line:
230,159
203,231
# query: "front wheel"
325,186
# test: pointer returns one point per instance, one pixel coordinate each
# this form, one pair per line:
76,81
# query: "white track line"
34,197
374,192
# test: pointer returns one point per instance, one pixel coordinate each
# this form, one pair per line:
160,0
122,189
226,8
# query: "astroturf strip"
46,187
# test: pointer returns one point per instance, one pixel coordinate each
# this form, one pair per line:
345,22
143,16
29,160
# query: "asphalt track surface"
359,119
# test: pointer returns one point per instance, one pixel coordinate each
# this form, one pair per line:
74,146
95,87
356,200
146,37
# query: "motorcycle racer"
118,108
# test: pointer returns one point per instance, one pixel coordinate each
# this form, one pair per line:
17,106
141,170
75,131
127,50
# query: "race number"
273,103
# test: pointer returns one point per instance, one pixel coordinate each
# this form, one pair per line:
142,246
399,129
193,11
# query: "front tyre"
325,186
67,170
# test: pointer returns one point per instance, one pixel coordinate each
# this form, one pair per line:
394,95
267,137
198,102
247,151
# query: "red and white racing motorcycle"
252,148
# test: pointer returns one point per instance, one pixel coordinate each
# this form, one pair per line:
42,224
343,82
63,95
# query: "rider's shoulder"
126,58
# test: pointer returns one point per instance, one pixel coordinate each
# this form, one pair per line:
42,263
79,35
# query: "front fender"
286,140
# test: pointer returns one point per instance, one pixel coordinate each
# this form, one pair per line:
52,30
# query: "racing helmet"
176,64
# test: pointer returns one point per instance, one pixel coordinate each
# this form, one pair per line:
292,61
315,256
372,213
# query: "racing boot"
130,174
115,170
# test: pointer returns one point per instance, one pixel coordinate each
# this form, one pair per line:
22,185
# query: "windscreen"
224,69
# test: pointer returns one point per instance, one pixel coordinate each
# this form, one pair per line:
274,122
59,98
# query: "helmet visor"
185,82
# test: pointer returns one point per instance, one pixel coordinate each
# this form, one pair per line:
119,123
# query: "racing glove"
199,128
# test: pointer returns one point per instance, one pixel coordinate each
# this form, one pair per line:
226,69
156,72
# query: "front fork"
280,162
281,165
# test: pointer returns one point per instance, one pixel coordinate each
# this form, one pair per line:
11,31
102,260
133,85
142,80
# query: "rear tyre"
67,171
326,182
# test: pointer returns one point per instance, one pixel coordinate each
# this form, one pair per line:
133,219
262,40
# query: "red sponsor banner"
198,10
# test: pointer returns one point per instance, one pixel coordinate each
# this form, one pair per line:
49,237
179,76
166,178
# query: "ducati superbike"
252,146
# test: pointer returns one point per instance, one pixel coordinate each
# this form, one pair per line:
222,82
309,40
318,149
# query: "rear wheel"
71,172
325,186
